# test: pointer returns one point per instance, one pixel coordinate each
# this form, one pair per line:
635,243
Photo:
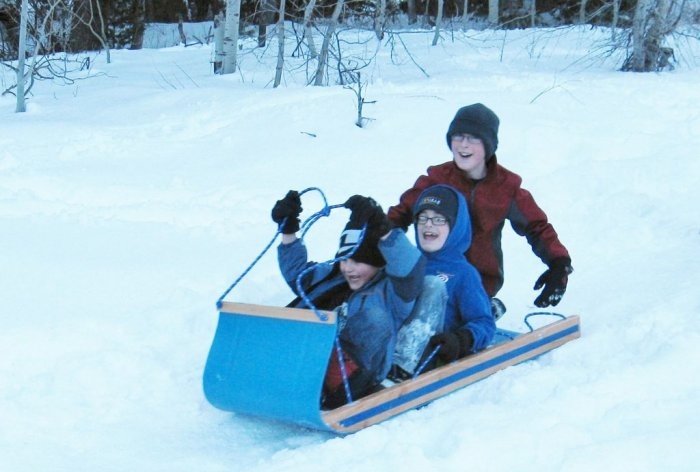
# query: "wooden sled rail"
439,382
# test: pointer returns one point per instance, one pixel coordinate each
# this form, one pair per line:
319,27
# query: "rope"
306,226
343,371
420,368
541,313
245,272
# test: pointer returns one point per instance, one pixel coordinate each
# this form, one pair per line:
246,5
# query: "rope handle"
541,313
305,227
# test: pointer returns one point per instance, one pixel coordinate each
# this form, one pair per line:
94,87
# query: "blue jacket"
468,306
373,313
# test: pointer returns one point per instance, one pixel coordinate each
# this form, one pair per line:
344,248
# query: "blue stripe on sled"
410,396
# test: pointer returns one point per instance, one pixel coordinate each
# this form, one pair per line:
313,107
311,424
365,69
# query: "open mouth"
465,155
429,235
352,279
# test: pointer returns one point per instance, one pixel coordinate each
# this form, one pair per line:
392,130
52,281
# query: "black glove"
366,211
453,344
290,208
554,282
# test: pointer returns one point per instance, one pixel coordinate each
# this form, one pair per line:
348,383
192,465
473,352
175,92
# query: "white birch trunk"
233,19
323,56
219,28
438,21
21,104
494,14
379,19
465,15
639,23
280,40
308,31
582,12
615,18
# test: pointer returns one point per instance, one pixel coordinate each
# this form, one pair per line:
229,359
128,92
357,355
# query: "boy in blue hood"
443,234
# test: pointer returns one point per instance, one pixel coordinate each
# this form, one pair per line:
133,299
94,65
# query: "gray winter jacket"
374,313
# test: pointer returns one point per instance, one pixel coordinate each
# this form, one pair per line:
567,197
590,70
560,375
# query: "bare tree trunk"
138,21
533,13
103,33
412,14
465,15
264,18
233,19
330,31
380,19
280,40
615,18
650,26
219,27
21,104
438,21
582,12
308,32
494,14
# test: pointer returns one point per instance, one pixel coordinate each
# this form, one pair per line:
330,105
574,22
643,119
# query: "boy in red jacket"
493,195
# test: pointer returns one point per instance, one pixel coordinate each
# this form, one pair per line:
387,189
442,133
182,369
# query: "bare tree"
582,11
330,32
615,17
84,14
438,21
308,31
233,20
494,14
380,19
219,29
653,21
280,40
21,77
412,13
465,15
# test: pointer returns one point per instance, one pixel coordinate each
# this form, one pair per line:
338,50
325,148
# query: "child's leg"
426,319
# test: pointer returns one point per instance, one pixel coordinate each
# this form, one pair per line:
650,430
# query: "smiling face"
431,237
469,154
357,274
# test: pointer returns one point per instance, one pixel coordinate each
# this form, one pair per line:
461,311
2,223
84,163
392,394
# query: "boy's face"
431,236
357,274
469,154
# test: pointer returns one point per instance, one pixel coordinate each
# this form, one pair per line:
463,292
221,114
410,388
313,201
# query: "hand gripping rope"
305,226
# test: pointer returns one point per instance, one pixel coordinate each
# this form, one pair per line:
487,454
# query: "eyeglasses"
466,137
435,220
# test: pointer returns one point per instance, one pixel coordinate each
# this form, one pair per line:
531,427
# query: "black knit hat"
441,199
477,120
367,252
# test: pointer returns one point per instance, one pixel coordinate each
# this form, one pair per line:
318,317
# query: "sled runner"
270,362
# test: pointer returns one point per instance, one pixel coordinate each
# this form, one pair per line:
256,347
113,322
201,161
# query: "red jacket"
491,201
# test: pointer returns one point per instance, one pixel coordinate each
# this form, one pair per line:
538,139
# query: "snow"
129,202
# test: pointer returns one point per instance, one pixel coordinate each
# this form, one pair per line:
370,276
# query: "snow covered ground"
131,200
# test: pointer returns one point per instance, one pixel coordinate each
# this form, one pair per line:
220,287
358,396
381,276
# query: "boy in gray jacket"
373,289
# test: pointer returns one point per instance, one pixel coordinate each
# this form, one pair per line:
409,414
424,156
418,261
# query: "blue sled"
271,361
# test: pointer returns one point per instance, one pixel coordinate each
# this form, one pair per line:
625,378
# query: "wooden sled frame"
271,361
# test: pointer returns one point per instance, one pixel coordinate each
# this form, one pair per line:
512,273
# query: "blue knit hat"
477,120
